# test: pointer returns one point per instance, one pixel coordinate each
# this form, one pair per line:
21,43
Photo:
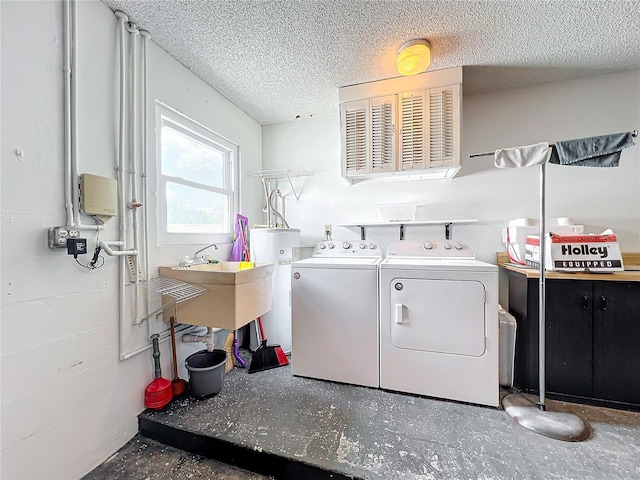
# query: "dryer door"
442,316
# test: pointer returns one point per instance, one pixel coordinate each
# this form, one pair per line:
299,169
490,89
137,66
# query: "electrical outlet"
327,229
58,236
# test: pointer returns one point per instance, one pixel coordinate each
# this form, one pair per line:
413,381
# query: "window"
197,181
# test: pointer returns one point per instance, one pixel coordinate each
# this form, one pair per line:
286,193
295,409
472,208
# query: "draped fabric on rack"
526,156
601,151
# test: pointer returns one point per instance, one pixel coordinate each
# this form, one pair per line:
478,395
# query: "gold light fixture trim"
414,57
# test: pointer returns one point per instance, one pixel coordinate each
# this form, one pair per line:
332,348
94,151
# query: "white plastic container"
507,347
515,235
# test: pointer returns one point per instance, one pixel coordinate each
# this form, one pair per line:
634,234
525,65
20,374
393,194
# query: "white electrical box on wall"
98,196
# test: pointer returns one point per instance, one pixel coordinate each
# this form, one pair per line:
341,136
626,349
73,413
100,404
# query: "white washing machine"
334,313
439,322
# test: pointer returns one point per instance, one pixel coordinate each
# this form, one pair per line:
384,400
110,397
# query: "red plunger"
159,392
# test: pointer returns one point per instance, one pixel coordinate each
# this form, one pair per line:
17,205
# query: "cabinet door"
616,373
444,126
356,128
569,337
383,134
429,128
413,152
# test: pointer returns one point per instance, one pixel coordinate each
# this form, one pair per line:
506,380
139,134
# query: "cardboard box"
233,295
576,253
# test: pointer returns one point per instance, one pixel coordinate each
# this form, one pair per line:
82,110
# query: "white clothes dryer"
439,322
334,313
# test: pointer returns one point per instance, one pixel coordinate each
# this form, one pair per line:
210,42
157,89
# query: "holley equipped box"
576,253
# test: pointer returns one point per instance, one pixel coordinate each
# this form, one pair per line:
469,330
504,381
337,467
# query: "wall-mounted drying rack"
447,225
287,173
176,290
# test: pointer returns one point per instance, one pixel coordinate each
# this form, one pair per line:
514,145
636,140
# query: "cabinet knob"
585,303
603,303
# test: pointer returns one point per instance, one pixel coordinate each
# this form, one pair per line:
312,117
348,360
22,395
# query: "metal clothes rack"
288,173
634,134
565,426
176,290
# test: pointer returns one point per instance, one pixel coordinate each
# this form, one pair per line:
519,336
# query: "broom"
266,356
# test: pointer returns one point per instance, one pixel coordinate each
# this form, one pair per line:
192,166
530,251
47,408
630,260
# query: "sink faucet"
195,260
195,255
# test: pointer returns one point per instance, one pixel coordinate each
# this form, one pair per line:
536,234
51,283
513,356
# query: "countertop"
631,263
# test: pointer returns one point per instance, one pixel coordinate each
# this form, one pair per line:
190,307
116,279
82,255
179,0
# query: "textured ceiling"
279,59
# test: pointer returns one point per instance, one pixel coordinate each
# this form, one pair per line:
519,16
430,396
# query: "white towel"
526,156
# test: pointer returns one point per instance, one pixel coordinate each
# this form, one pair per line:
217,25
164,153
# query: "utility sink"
232,298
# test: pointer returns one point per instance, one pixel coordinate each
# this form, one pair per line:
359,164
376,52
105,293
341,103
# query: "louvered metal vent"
356,141
382,137
413,142
441,124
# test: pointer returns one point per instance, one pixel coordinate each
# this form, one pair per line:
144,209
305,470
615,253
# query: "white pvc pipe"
74,189
162,338
145,196
106,246
207,338
74,112
70,69
122,18
68,188
133,159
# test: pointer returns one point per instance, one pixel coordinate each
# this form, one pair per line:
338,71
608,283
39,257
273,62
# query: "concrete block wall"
67,401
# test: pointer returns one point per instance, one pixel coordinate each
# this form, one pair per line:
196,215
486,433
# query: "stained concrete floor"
145,459
374,434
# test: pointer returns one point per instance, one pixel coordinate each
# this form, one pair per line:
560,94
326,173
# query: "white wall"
595,197
67,402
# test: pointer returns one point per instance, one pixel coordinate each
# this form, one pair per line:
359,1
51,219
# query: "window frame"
167,116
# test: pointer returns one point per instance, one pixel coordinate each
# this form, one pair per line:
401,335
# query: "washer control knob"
428,245
331,245
363,245
322,246
346,245
373,246
459,246
447,246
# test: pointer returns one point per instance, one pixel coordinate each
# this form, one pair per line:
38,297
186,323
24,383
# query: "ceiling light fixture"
414,57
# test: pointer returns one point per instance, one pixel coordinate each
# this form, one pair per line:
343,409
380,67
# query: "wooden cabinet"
592,339
616,341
